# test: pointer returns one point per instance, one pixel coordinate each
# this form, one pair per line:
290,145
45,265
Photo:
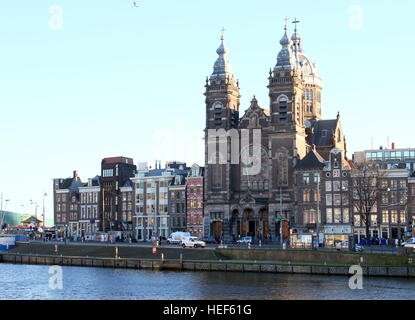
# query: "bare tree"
366,178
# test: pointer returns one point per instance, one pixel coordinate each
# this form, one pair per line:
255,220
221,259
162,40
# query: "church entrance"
251,229
217,229
263,228
249,221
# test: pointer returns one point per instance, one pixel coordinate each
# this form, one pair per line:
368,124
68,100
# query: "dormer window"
324,133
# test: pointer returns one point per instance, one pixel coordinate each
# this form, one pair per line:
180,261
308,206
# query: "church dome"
308,69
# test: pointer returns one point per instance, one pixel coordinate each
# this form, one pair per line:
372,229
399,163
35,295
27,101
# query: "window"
337,215
346,215
385,216
328,186
393,197
345,185
337,199
309,216
329,215
345,199
385,198
336,186
394,216
306,195
402,216
306,178
329,199
357,221
316,178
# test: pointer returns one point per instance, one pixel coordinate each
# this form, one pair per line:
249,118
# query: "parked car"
409,244
193,242
210,240
358,248
245,240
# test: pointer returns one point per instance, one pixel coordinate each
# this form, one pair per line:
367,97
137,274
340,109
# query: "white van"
193,242
178,237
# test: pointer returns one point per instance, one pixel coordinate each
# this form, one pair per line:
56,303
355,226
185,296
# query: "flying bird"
135,4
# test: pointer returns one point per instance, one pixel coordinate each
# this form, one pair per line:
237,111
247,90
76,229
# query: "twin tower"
240,204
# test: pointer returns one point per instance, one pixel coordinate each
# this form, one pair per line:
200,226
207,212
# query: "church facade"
250,158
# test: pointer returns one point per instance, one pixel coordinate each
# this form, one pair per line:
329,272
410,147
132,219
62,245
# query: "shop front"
338,237
301,241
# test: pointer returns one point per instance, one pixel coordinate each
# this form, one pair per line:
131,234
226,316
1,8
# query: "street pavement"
367,249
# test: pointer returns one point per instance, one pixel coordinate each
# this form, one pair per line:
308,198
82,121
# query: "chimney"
393,146
75,174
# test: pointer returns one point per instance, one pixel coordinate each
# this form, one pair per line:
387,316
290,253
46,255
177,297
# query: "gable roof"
313,160
324,140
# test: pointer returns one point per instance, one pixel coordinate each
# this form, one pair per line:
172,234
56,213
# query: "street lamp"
44,221
36,206
281,215
318,212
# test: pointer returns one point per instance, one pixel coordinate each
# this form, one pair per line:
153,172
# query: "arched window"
283,108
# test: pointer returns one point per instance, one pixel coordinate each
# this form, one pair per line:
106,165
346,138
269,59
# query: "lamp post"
318,212
281,215
36,206
44,221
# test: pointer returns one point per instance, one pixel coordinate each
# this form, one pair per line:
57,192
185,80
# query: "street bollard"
56,248
116,253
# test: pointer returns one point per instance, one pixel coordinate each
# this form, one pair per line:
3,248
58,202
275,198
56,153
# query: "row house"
194,198
115,173
411,204
89,217
151,203
160,201
65,204
323,207
150,191
177,203
390,221
127,208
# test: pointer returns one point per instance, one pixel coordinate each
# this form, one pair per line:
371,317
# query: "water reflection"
32,282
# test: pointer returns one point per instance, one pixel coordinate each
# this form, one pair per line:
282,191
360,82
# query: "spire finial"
286,21
223,33
295,23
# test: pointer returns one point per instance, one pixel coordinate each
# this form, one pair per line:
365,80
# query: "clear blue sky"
118,80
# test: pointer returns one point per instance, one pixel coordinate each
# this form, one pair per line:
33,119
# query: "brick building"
194,199
115,172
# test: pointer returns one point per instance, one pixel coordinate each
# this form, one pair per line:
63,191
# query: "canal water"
33,282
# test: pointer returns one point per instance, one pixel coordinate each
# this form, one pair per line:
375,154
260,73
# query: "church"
254,204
